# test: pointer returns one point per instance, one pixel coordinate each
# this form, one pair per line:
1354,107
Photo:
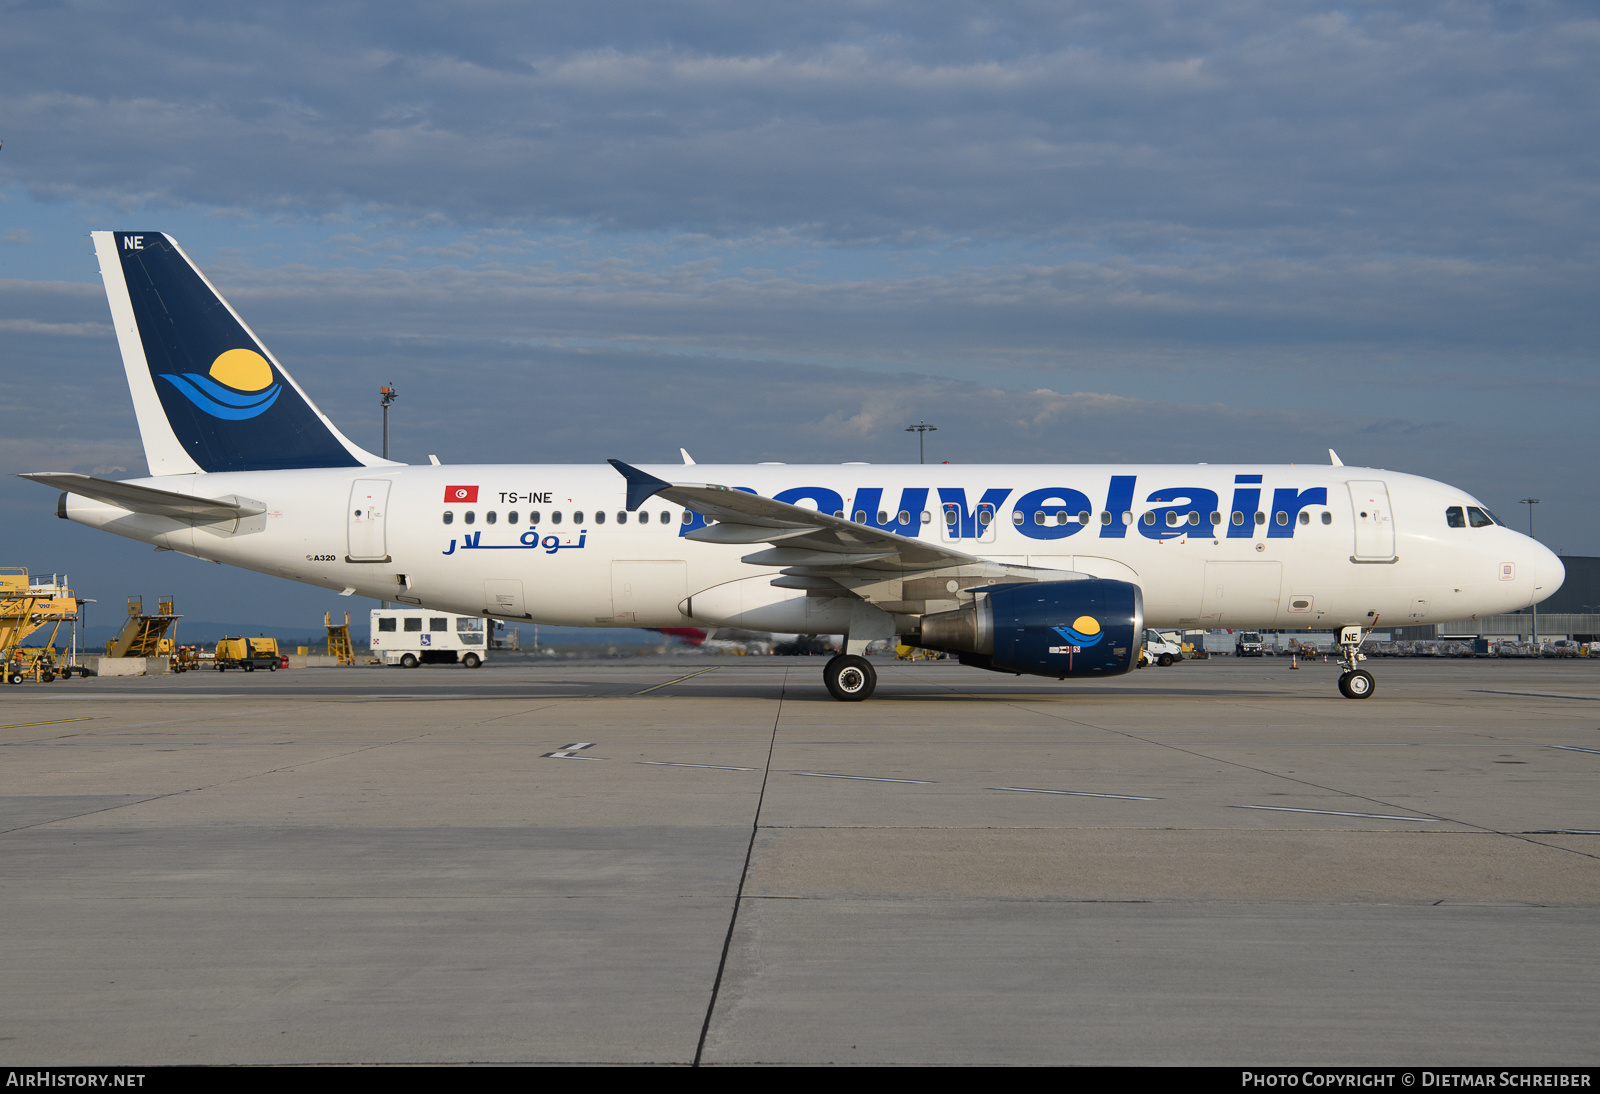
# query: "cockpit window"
1480,518
1453,516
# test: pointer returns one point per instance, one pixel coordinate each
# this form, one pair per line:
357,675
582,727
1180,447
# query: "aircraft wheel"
1165,660
472,661
1357,685
408,661
850,679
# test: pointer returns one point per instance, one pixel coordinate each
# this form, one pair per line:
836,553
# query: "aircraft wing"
146,499
817,542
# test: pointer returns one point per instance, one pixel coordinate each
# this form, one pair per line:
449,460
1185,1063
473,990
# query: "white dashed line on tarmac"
864,778
1075,793
708,767
1336,813
565,752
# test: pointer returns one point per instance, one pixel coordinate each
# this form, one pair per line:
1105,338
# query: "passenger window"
1194,518
511,517
533,517
904,517
466,623
1083,517
1327,518
1454,517
1283,518
883,518
1149,518
622,517
950,517
688,517
599,518
470,517
438,623
555,518
666,517
986,517
1238,517
1016,516
386,624
861,516
577,518
1477,517
413,623
490,517
1172,519
1261,518
927,517
449,517
1105,517
1305,517
1216,518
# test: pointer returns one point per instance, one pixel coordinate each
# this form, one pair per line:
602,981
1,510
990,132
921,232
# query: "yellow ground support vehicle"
248,654
25,608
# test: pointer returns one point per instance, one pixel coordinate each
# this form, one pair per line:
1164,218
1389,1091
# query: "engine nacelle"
1048,628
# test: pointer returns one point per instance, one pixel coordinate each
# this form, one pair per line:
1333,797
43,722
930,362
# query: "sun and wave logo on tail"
1083,631
238,386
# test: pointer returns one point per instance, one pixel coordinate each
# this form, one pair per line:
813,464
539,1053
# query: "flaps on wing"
800,537
145,499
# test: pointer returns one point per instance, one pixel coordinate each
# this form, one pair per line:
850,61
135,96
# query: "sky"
1061,232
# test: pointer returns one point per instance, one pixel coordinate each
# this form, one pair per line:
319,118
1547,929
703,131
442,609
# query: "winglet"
1334,456
642,486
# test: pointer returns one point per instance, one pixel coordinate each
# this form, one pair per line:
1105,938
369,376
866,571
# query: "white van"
409,637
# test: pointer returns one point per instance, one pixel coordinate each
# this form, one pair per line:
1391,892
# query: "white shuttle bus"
409,637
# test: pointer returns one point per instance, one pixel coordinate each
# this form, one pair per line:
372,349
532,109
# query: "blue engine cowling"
1088,627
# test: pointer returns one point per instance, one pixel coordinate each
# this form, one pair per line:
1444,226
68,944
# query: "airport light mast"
1530,503
386,395
921,429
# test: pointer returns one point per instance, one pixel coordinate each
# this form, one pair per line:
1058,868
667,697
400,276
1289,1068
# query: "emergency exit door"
366,521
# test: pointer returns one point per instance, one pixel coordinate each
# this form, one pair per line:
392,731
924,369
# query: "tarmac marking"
1563,832
566,752
708,767
679,680
864,778
51,722
1577,748
1336,813
1541,695
1074,793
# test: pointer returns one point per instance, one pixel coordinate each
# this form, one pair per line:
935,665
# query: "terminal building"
1573,612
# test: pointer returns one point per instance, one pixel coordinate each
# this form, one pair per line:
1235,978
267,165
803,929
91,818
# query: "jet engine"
1089,627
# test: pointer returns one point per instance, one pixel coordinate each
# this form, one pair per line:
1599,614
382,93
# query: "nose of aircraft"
1547,569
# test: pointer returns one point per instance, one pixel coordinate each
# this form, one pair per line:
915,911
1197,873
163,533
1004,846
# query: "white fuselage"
1351,546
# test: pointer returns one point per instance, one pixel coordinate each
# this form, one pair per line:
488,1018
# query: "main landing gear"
1354,683
850,679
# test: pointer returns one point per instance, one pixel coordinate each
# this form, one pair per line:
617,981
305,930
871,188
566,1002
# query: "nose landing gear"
1354,682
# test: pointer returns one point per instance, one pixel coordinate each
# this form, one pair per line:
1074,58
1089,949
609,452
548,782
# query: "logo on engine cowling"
1084,631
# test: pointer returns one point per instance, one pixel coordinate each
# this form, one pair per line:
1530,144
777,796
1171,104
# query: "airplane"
1052,571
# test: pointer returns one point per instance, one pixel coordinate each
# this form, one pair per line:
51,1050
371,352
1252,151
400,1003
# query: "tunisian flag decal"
461,493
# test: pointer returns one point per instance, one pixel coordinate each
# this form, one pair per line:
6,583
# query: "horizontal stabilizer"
144,499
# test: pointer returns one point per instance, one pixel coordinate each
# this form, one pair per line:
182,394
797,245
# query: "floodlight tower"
921,429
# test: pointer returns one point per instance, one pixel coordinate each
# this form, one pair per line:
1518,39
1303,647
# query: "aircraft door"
503,597
1374,521
367,517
